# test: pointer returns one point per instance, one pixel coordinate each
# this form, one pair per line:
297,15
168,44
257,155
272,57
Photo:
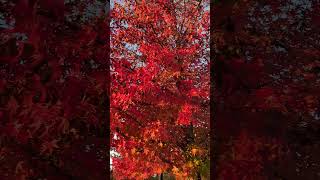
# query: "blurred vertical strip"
108,118
265,96
54,89
213,151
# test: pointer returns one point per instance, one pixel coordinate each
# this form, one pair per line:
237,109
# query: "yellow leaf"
175,170
194,151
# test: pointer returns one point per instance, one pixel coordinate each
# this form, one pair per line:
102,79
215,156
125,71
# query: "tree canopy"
160,88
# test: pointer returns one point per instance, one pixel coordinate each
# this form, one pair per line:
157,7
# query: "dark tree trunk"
198,176
161,176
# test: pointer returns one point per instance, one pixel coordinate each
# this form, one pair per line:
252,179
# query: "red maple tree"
160,88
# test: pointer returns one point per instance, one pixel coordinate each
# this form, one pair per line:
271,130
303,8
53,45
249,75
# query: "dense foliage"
266,89
53,89
160,88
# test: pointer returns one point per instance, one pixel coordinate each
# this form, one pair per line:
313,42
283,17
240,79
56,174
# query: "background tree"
266,89
53,89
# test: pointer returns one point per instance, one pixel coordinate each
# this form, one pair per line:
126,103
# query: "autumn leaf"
133,150
175,170
48,146
194,151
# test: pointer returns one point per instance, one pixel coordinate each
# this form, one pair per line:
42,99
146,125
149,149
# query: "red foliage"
266,89
160,88
53,89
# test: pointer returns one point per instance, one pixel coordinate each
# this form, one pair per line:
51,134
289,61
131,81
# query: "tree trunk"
161,176
198,176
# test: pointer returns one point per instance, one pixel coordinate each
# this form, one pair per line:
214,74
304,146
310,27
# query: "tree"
160,88
265,106
53,89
